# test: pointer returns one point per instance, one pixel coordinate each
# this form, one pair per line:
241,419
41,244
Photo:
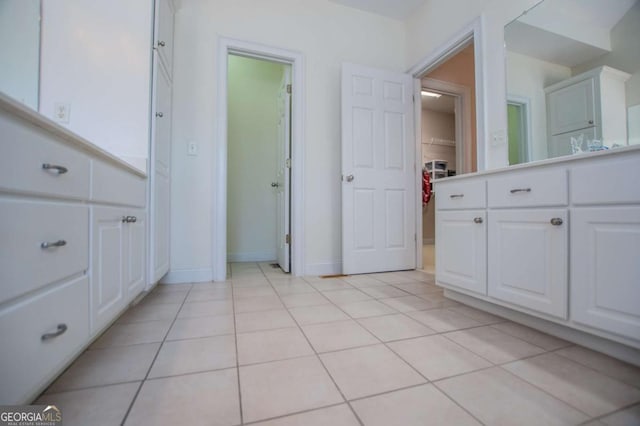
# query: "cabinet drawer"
26,148
24,264
29,362
116,186
607,181
460,195
540,188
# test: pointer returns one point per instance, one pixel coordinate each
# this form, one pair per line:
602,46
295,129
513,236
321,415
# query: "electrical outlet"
61,112
192,148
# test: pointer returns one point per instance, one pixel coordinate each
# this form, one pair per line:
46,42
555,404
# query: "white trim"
252,257
315,269
219,175
473,31
179,276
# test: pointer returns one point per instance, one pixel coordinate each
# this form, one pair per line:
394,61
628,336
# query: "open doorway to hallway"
448,130
258,172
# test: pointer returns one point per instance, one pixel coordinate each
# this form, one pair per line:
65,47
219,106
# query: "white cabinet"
164,33
591,104
461,255
528,259
160,182
118,262
605,269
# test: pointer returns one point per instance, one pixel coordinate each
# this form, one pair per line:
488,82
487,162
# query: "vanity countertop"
20,111
550,161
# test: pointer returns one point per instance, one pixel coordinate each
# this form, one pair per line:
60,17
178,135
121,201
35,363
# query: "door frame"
227,46
473,32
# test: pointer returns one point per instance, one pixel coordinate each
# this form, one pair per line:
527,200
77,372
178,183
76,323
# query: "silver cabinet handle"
477,220
516,190
159,114
129,219
61,330
60,169
134,219
456,195
125,219
161,43
590,121
275,184
350,178
556,221
48,244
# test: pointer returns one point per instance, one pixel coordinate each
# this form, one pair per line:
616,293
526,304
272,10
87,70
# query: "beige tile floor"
385,349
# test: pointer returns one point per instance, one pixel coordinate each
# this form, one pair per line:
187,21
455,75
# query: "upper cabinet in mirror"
573,78
20,50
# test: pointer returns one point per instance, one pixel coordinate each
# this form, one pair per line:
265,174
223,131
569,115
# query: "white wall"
437,22
96,56
527,77
252,158
327,35
20,50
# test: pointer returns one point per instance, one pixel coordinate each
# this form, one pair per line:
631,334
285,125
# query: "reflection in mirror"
573,78
20,50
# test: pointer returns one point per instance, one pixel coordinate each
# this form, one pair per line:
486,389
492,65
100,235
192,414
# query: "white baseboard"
251,257
323,268
180,276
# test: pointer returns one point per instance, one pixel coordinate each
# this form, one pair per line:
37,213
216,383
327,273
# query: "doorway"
258,181
295,162
447,131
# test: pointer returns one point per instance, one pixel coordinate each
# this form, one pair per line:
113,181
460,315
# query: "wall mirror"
573,78
20,50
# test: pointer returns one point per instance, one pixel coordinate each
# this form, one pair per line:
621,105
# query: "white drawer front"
25,150
607,181
540,188
28,362
24,264
113,185
460,195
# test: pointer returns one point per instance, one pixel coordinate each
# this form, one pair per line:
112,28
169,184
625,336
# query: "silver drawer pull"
48,336
159,114
456,195
515,191
161,43
60,169
556,221
129,219
48,244
477,220
133,219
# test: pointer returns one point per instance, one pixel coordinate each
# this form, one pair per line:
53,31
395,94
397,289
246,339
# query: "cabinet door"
135,254
560,145
461,250
528,259
107,272
572,108
605,269
164,33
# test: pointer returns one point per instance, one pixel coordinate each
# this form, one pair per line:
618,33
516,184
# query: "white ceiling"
396,9
566,32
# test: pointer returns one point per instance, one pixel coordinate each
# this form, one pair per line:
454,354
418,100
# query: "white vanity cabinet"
605,242
163,40
562,245
68,263
461,235
590,105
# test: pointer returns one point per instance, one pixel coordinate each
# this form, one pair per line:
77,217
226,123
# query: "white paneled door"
283,179
378,171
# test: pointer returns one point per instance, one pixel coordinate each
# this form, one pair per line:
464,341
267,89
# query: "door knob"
275,184
350,178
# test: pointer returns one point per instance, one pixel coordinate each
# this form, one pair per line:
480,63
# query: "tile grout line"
142,382
323,365
235,339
